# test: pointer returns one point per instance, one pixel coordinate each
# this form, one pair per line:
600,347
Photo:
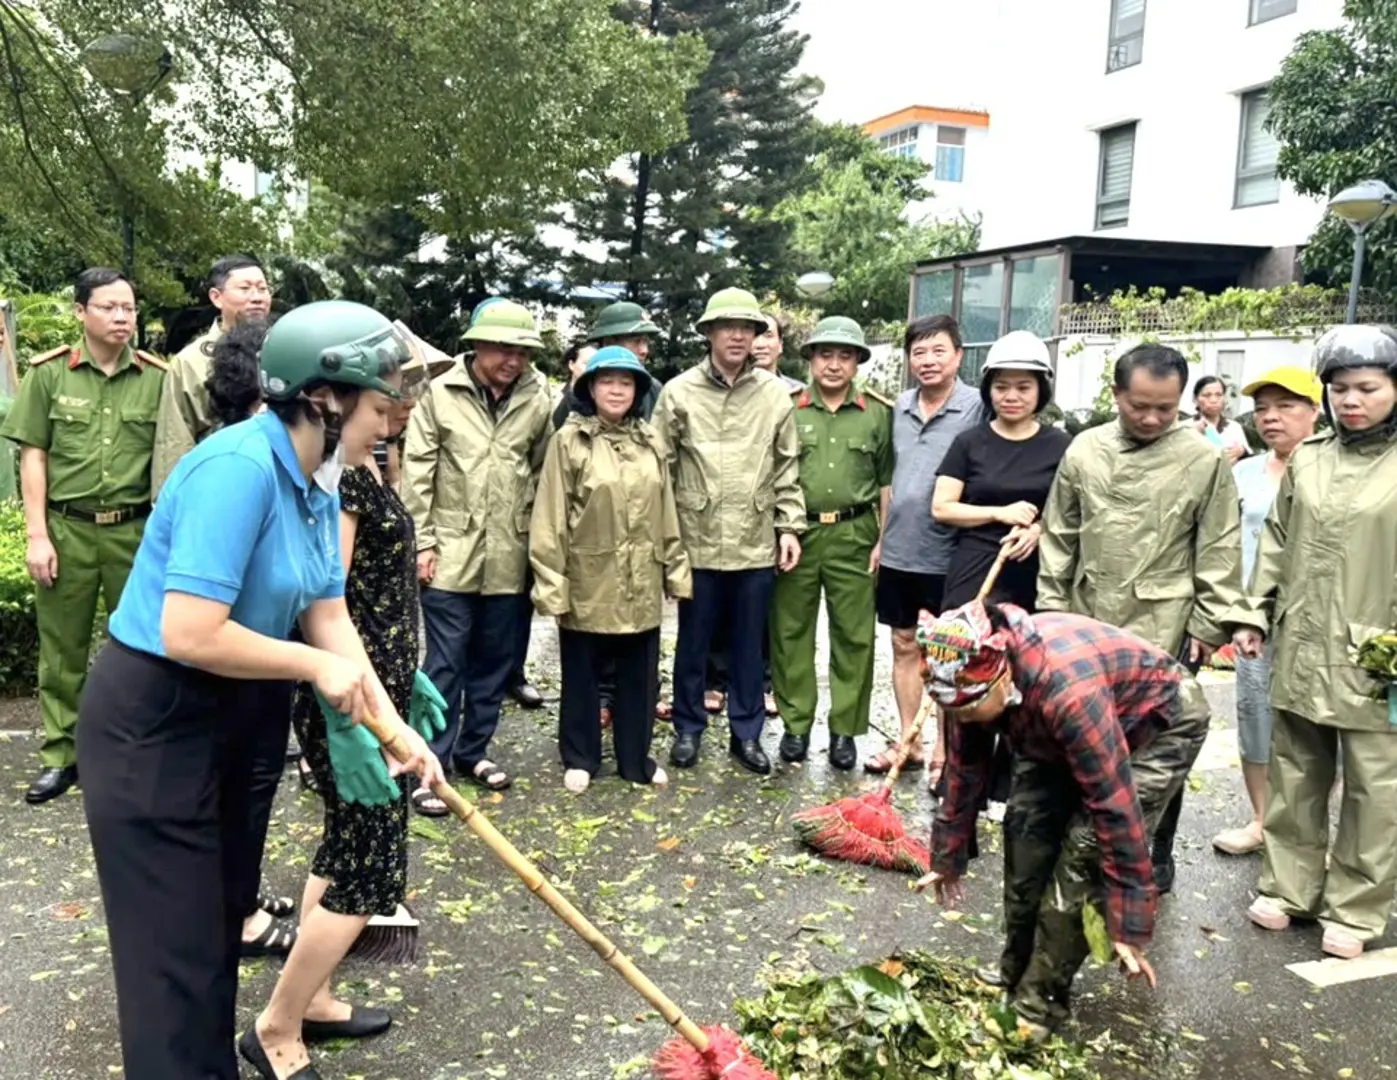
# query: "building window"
1266,10
264,184
950,154
1127,34
902,143
1257,182
1113,184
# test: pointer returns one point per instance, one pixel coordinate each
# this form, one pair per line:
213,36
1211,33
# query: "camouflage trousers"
1052,862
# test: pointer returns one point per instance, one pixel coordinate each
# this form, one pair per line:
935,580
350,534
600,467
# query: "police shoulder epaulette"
876,396
52,354
151,359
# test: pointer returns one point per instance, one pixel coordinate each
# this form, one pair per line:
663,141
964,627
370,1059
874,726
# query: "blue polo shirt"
238,523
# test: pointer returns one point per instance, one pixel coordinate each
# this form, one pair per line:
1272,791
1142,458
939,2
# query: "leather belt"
100,517
834,517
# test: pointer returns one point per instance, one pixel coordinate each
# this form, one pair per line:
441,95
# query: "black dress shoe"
527,695
843,752
250,1046
51,784
794,747
684,754
363,1023
750,755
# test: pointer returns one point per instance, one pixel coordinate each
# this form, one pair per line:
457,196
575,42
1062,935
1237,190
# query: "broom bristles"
728,1058
388,939
863,829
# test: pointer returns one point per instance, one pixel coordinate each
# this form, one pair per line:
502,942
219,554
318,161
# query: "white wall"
952,199
1054,95
1238,357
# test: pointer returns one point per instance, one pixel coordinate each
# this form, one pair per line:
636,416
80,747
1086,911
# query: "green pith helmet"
837,330
735,304
620,320
337,341
505,323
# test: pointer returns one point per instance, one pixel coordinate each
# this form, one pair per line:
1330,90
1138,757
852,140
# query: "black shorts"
905,594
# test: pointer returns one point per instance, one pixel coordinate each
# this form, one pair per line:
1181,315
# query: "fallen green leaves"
915,1016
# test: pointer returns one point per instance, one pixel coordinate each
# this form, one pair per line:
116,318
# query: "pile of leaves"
910,1016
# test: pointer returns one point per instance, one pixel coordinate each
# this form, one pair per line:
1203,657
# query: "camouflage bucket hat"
1355,346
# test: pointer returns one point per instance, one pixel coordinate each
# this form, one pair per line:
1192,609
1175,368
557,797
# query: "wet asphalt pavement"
704,885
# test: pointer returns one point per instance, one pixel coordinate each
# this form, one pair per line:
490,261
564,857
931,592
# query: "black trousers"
739,599
635,658
720,660
471,651
268,766
167,756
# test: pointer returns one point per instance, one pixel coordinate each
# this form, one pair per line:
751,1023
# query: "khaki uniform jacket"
184,417
1144,537
1326,579
604,542
734,455
469,479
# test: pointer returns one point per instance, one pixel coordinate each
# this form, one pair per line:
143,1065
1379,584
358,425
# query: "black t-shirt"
998,472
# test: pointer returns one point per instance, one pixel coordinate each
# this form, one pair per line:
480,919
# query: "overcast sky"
876,56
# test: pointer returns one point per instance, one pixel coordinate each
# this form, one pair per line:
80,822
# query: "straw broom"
699,1053
867,828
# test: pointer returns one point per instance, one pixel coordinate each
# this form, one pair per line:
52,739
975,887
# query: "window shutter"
1117,160
1130,18
1259,147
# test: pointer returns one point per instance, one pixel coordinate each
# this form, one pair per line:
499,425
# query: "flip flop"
881,764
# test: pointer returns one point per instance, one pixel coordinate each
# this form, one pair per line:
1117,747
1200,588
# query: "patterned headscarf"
965,655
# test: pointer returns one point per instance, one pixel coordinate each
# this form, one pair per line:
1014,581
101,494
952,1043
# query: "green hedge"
19,634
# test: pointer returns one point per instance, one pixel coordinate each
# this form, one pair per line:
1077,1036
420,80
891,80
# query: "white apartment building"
1147,122
952,142
1129,149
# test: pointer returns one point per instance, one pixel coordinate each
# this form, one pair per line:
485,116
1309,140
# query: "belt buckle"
107,517
830,517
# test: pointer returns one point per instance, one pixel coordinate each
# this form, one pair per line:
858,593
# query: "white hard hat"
1020,350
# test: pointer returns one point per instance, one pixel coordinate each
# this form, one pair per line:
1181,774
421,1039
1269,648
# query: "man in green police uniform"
846,467
85,423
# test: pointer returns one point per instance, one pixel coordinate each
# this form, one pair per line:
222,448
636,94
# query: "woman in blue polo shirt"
243,545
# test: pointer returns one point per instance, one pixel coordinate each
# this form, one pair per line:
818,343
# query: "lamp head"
129,64
814,284
1364,204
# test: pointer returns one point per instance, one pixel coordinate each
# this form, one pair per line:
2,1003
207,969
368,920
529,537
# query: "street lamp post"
130,66
1362,206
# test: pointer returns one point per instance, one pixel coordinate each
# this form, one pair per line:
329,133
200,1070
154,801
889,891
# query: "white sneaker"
1340,943
1268,914
661,778
1240,841
577,780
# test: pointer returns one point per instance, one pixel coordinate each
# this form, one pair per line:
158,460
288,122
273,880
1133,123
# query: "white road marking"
1378,964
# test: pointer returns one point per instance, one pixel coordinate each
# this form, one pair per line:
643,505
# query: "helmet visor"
367,361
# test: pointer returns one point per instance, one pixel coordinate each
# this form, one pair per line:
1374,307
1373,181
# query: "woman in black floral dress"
360,868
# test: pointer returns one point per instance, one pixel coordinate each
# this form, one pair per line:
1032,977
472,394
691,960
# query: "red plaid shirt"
1092,694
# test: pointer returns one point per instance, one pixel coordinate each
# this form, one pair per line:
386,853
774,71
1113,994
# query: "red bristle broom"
699,1053
867,828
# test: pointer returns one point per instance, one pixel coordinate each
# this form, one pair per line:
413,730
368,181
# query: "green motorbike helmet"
838,330
334,341
1355,345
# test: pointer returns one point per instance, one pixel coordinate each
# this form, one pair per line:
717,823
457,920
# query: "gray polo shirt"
912,541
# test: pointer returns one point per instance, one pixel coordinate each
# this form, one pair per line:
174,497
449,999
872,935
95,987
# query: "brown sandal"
882,764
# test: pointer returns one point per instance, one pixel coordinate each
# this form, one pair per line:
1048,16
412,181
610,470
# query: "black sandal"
278,907
250,1046
276,940
308,780
482,777
422,800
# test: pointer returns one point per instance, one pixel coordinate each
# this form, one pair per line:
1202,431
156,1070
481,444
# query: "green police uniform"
846,459
99,433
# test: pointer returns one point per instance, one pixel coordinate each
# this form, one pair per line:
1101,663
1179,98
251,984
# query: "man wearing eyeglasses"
238,289
85,424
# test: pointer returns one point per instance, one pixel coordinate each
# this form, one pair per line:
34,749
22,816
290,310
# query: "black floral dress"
364,850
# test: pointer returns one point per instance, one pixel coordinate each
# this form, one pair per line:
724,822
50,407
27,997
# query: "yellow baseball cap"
1299,381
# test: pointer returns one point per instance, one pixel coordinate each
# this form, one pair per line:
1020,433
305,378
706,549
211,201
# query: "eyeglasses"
109,310
250,290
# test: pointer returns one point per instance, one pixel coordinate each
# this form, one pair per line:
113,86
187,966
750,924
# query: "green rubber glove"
361,774
427,710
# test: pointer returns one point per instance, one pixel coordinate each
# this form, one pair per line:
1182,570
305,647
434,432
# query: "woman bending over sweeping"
605,548
243,544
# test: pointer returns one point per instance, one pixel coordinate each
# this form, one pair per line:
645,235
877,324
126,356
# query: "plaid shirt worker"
1092,694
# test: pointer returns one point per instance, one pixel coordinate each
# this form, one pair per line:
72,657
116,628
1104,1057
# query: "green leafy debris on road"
913,1016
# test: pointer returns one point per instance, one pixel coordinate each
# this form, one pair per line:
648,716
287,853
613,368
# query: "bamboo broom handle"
531,876
904,746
